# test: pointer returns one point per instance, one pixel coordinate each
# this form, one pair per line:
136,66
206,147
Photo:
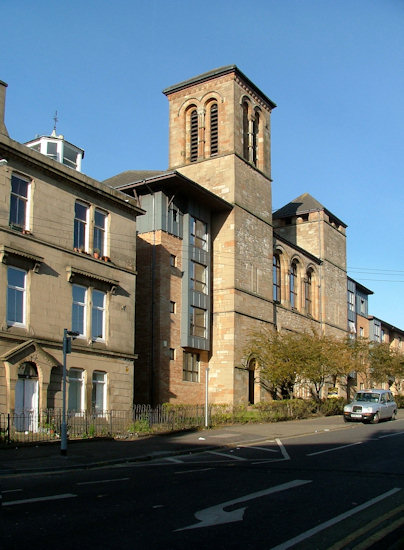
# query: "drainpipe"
153,276
320,286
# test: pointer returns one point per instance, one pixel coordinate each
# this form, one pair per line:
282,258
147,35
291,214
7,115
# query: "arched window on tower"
276,277
245,131
214,130
293,285
308,292
256,124
193,135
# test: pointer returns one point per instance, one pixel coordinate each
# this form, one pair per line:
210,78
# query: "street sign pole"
63,439
68,336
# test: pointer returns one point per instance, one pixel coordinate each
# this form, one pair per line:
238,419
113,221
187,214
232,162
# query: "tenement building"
67,261
215,265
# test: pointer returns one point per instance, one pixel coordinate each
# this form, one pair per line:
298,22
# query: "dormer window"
56,148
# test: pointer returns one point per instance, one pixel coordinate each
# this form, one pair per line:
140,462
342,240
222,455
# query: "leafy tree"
309,358
357,350
385,363
322,358
274,352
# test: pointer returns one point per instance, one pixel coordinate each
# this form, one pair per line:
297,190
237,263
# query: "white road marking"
12,491
390,435
335,448
283,450
38,499
193,471
333,521
102,481
173,459
259,448
216,515
235,457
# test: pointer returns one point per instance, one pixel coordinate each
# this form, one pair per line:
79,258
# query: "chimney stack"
3,86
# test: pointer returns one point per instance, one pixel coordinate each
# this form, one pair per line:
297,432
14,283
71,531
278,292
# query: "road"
328,490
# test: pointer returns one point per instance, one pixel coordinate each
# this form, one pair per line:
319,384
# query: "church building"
214,264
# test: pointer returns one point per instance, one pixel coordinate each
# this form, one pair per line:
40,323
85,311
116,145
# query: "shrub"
399,399
331,407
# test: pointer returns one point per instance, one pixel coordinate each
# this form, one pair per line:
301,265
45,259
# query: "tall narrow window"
194,136
79,309
293,285
308,296
80,226
198,277
100,222
16,285
214,129
276,274
76,390
19,201
245,131
98,394
52,150
351,300
198,322
255,139
70,157
190,367
98,315
198,233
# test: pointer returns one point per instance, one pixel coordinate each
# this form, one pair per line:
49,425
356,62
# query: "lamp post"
68,336
207,398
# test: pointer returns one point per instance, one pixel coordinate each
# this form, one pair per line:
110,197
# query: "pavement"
47,457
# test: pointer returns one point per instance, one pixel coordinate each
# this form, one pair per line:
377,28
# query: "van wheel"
376,418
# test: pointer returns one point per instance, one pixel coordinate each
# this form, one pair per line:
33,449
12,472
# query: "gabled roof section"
11,149
131,176
302,205
173,183
360,287
30,349
210,75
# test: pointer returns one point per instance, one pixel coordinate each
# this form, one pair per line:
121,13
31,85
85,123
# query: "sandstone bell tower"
219,136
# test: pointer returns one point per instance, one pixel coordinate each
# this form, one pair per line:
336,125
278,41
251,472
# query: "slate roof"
215,73
131,176
172,182
302,205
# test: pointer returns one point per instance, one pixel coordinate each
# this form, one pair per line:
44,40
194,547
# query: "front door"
26,405
251,382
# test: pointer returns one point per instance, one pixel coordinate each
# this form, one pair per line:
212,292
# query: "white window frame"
76,243
84,306
80,380
95,384
15,289
96,310
20,198
102,230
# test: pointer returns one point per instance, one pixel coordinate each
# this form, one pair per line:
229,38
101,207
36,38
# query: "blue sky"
335,68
